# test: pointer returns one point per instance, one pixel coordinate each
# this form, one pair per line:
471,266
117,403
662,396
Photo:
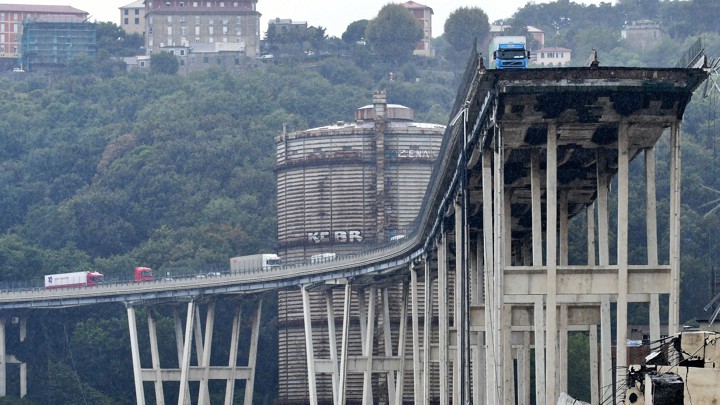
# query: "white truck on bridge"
75,279
254,263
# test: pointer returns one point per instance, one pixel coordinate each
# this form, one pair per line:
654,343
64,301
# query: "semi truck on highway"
143,274
255,263
76,279
508,52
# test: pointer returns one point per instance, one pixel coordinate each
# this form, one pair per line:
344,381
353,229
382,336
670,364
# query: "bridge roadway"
481,255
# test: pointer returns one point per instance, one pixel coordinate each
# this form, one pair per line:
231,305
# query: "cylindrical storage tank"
349,187
343,189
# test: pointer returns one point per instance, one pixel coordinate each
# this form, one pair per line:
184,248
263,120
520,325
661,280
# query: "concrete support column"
499,244
134,348
491,350
523,361
23,365
427,332
508,363
551,251
252,354
564,219
594,378
232,357
180,346
675,175
309,353
402,331
342,382
204,395
184,391
332,343
563,350
606,367
652,240
367,398
603,184
536,202
590,217
417,368
155,355
443,320
387,339
539,334
622,250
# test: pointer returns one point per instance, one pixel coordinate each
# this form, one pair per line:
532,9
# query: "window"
235,4
137,11
222,4
211,30
170,19
194,3
197,20
182,52
237,61
211,21
218,60
206,59
211,39
15,28
225,39
192,60
225,30
182,62
126,11
137,21
125,21
169,31
183,31
197,30
182,4
225,21
142,63
208,4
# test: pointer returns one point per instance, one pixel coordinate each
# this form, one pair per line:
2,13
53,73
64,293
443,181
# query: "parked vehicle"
255,263
322,258
508,52
143,274
76,279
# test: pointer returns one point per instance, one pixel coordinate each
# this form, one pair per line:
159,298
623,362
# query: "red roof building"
13,15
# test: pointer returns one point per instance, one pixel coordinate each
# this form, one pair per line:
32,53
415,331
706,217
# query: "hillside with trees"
101,169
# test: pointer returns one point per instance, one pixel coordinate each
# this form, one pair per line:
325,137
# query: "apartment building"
132,17
182,23
13,15
423,14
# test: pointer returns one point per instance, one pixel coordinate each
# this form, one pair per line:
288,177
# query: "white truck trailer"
255,263
75,279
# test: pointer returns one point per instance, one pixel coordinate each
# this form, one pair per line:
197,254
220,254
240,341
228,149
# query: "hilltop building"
52,41
12,17
225,25
132,17
341,189
642,34
424,16
552,56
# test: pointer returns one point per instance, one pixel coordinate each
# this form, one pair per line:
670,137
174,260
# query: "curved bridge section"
485,282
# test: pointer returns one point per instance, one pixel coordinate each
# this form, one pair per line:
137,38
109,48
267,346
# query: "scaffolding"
53,42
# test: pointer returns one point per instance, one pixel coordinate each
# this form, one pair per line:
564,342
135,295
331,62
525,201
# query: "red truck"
143,274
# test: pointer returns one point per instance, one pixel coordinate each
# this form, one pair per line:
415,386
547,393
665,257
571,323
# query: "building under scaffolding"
52,42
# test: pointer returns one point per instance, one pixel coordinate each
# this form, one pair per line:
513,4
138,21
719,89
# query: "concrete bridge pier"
6,359
202,371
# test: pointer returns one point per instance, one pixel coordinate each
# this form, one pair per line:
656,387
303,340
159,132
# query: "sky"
334,15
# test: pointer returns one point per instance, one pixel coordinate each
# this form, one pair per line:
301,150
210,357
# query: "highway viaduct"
485,278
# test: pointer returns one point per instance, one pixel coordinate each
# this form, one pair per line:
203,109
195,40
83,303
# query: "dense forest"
103,169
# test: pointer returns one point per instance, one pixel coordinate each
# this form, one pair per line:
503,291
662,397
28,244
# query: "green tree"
464,26
164,63
355,32
394,33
